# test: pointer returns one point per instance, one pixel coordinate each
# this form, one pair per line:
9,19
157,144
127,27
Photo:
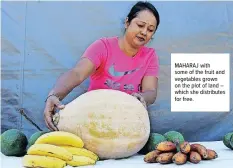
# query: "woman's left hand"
140,98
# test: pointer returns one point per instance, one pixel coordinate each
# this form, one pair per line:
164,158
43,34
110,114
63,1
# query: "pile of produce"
172,148
228,140
47,149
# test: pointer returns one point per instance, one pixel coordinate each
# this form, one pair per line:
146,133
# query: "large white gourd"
112,124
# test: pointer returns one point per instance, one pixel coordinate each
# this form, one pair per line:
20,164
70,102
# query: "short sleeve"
153,66
96,53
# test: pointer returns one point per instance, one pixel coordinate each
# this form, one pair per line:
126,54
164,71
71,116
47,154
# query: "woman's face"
141,28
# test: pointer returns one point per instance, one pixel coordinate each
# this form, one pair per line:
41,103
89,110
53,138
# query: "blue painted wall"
41,40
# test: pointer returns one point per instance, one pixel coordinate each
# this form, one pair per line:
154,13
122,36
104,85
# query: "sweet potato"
200,149
166,146
185,147
194,157
165,158
151,156
179,158
211,154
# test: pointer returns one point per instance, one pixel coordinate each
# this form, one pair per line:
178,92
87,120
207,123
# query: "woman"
120,63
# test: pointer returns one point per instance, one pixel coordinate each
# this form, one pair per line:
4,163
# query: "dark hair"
140,6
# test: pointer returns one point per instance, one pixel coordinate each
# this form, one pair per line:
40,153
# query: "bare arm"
149,89
64,85
72,78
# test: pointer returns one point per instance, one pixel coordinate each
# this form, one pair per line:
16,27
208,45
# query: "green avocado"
226,140
154,139
231,141
13,143
34,137
175,137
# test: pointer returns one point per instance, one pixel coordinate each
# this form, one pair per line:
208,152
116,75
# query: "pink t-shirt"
115,70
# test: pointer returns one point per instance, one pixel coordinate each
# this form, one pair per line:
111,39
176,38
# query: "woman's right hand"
82,70
52,103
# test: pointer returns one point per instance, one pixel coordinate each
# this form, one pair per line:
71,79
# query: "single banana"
81,161
42,161
60,138
81,152
50,150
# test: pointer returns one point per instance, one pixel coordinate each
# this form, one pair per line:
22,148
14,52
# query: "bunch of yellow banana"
58,149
